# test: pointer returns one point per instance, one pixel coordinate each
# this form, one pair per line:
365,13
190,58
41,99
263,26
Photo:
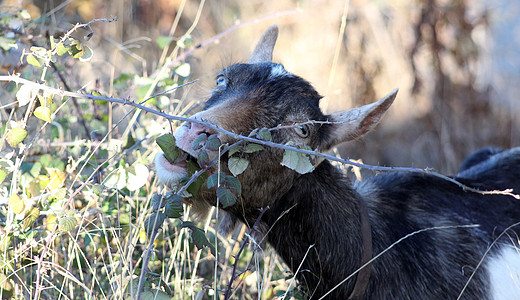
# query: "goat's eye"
221,82
302,130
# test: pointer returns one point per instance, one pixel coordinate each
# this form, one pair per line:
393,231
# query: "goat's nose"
199,129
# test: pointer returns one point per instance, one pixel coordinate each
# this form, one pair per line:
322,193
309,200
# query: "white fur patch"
279,71
504,273
168,174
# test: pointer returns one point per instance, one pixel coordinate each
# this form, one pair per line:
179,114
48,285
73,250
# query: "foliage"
76,185
81,212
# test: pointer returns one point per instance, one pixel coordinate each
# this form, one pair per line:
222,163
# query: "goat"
332,226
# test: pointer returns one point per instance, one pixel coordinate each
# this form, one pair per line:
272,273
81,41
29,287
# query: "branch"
146,259
17,79
77,26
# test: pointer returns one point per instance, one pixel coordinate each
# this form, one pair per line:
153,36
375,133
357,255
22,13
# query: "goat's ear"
353,123
264,49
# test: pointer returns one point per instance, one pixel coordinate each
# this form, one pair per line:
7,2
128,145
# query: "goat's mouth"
185,164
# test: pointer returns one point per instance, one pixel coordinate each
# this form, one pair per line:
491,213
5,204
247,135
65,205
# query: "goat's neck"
319,218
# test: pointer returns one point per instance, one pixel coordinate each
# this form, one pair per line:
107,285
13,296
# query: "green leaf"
60,193
129,142
16,136
251,148
97,189
234,150
213,179
192,168
39,51
26,94
76,49
121,82
164,41
185,42
234,184
31,215
61,49
51,57
32,60
213,142
7,44
167,144
17,204
264,134
198,237
203,158
46,160
188,224
195,187
199,140
53,42
43,113
3,175
141,91
31,168
87,54
237,165
225,196
297,161
183,70
174,208
174,197
158,201
153,223
67,224
154,294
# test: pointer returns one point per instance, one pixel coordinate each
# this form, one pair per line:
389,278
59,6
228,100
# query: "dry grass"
433,51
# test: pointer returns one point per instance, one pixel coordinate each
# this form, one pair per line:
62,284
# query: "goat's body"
434,264
314,220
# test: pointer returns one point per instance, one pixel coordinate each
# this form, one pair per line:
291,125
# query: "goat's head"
262,94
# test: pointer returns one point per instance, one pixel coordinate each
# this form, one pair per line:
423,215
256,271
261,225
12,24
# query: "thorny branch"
17,79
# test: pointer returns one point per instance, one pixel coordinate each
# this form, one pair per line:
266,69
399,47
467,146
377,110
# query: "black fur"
322,211
478,157
318,213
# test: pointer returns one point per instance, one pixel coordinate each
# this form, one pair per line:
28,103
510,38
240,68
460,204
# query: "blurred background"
456,63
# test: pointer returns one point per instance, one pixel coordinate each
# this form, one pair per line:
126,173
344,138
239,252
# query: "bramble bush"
81,215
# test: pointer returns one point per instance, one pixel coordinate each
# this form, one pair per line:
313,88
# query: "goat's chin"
168,173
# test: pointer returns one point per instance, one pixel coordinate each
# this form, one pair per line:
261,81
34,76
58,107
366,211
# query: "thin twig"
146,259
484,256
77,26
393,245
74,102
297,271
507,192
237,256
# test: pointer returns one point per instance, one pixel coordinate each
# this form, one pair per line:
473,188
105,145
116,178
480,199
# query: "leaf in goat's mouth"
172,153
176,156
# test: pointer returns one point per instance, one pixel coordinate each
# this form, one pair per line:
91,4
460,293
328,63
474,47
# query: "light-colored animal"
330,225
